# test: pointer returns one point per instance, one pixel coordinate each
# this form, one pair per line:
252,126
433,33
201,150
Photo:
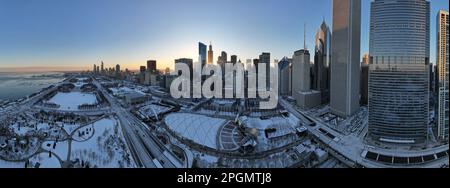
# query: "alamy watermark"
208,82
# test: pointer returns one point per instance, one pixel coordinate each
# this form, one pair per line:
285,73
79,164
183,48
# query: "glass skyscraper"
202,53
398,73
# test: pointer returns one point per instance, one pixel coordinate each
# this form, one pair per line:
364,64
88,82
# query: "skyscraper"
322,61
210,54
142,69
284,74
344,93
117,71
202,53
117,68
224,56
398,77
95,69
264,58
102,68
151,66
442,63
233,59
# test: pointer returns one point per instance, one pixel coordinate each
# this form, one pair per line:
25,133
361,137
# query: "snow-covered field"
100,144
71,101
7,164
105,149
61,148
198,128
45,161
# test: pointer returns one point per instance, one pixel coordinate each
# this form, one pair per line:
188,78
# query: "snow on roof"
198,128
274,122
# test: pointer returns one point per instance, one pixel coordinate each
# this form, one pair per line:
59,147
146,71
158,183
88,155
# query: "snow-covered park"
96,144
71,101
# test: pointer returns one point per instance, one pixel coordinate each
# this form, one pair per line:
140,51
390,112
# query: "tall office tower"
264,58
102,68
222,60
284,75
364,92
301,80
255,64
141,74
151,66
442,63
95,69
142,69
399,53
117,70
224,56
98,69
210,54
202,53
344,91
322,61
233,59
187,61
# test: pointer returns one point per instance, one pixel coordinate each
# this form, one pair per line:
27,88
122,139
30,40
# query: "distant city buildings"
344,93
442,71
398,76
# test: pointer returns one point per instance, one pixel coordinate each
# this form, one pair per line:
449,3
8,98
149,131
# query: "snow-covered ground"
71,101
7,164
61,148
106,148
69,128
45,160
198,128
22,130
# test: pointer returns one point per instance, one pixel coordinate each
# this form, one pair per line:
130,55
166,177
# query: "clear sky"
75,34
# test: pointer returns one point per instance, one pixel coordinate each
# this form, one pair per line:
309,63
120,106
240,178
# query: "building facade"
442,68
202,54
151,66
345,65
398,77
322,62
284,68
264,58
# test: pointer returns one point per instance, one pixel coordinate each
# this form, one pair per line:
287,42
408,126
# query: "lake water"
18,85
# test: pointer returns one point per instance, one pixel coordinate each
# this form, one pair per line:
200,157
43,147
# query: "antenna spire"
304,36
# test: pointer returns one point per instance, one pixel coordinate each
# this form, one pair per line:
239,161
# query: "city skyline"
75,35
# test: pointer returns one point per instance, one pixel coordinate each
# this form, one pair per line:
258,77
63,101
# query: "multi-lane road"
146,149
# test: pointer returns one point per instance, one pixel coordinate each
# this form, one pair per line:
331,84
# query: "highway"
146,150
